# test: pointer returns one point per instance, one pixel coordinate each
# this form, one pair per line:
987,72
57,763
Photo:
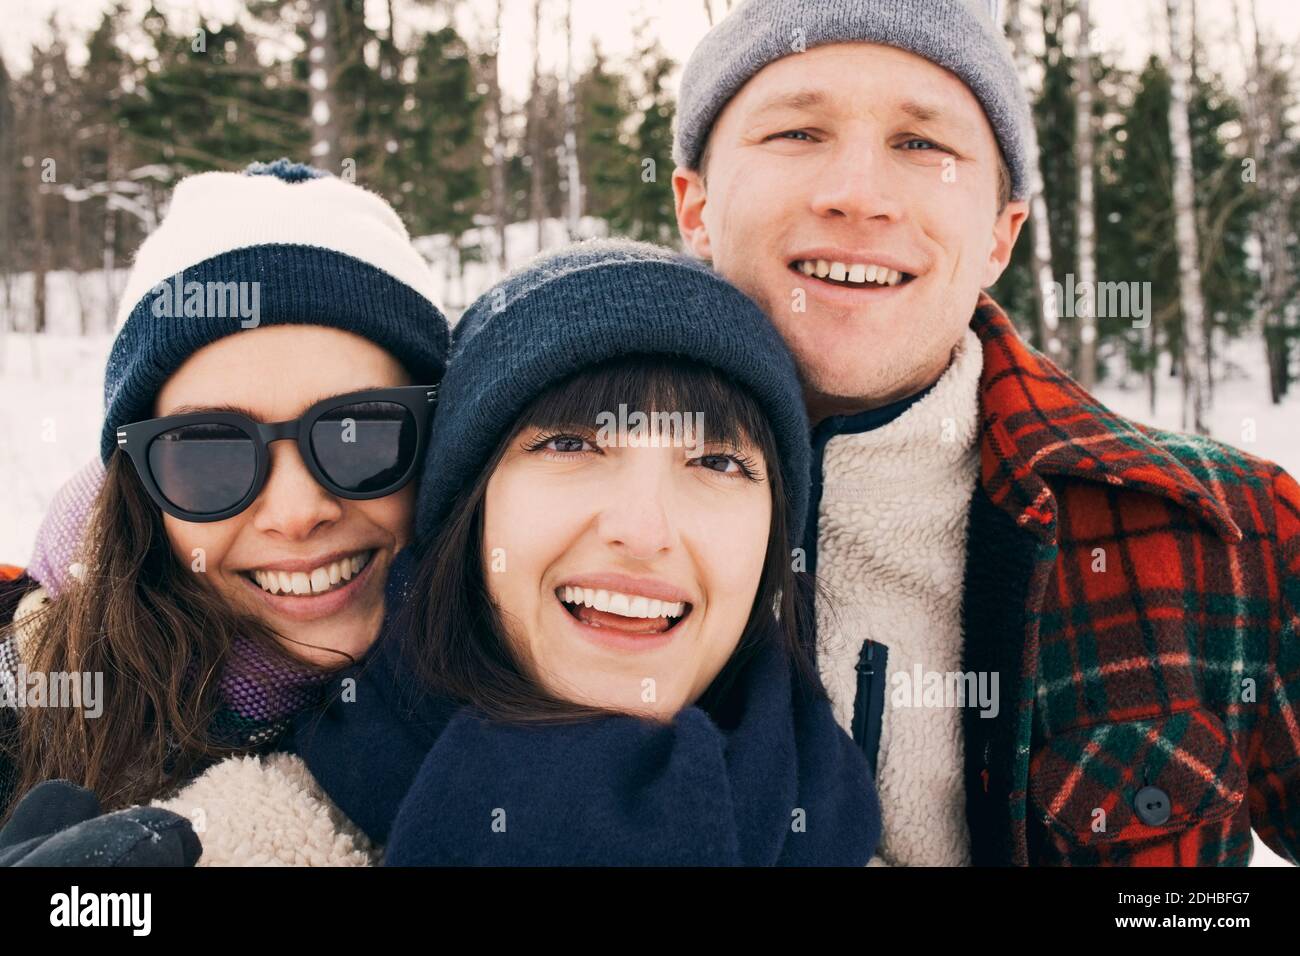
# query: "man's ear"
1005,231
691,197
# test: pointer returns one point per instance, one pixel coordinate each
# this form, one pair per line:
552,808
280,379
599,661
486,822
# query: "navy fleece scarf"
774,780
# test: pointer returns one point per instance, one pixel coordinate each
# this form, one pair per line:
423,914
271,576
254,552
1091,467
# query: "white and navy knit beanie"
279,244
962,36
588,303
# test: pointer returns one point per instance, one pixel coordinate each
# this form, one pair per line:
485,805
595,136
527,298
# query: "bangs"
727,412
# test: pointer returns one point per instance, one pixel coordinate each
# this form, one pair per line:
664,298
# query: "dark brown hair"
452,634
157,632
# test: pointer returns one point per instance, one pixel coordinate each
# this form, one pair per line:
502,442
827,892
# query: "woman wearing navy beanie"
597,652
267,401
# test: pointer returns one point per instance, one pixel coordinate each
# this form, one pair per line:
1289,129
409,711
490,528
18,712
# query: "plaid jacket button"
1152,806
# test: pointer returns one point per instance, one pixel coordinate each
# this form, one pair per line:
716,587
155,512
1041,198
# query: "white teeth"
626,605
316,581
856,272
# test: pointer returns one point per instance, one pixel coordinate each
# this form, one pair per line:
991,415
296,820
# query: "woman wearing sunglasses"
599,652
268,398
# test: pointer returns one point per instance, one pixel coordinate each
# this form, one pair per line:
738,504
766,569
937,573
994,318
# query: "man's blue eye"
787,134
924,142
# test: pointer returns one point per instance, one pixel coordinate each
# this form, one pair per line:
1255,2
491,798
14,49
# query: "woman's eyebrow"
249,413
193,409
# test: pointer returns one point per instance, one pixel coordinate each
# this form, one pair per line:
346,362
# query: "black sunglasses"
209,466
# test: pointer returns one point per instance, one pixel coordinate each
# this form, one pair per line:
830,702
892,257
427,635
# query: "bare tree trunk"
73,259
574,173
322,57
1267,226
497,109
1048,320
41,265
1153,363
537,201
1087,213
109,260
1189,271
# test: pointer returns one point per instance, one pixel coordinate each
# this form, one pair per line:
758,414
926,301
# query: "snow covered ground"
51,392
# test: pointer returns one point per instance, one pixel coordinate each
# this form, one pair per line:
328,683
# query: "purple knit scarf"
264,687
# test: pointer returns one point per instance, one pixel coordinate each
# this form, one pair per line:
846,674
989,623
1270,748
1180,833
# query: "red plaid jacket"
1144,588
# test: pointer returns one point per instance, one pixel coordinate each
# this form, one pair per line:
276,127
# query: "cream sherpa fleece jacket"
254,811
268,811
891,552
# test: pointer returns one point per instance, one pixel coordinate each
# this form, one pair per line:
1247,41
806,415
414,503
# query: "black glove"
60,824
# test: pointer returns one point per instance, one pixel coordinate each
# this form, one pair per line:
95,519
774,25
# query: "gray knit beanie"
961,36
588,303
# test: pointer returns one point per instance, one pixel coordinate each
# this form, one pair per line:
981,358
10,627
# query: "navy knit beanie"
280,244
586,304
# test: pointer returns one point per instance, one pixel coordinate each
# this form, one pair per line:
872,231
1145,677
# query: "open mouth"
851,275
322,580
623,612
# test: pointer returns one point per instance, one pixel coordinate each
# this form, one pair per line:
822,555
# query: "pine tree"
647,211
604,155
210,104
441,159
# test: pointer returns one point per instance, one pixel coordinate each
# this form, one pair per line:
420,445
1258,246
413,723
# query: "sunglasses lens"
365,446
203,469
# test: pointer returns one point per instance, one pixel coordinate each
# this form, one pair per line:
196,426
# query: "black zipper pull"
869,702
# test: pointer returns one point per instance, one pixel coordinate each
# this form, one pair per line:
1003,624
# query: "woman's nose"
636,511
292,503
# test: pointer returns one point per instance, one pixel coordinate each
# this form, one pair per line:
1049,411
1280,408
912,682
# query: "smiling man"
858,167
